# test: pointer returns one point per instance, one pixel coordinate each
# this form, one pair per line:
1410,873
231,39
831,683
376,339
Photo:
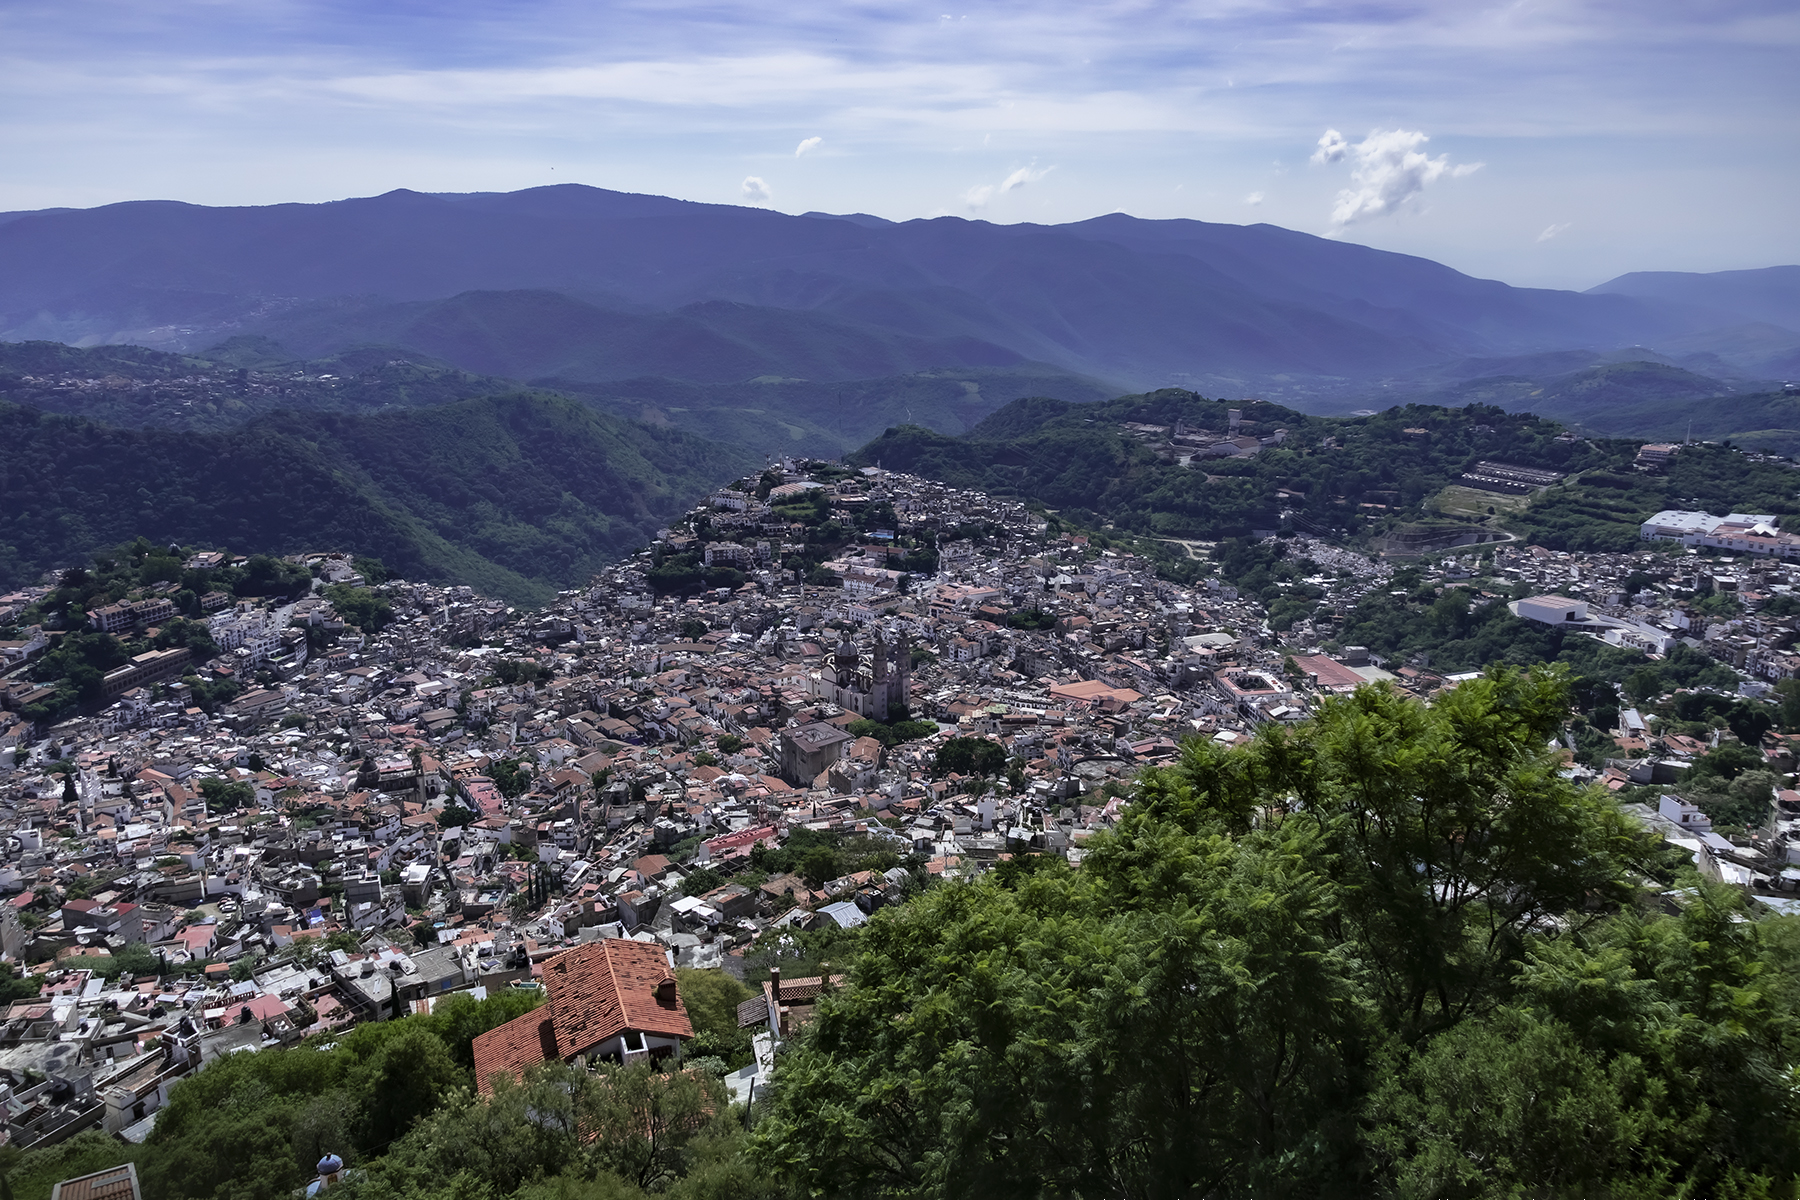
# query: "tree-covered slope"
777,415
1336,473
516,495
225,386
528,334
248,376
1603,509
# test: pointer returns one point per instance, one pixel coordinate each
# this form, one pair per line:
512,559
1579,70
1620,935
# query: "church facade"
873,685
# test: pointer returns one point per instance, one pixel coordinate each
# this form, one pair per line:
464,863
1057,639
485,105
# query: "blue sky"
1551,143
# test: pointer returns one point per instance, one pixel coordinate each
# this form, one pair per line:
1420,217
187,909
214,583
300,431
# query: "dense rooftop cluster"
374,819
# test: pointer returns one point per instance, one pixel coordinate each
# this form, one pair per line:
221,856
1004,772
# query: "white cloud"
977,197
1390,171
1253,199
1553,230
811,143
756,191
1023,176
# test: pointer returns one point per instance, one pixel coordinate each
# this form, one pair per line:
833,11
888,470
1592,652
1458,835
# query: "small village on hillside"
588,797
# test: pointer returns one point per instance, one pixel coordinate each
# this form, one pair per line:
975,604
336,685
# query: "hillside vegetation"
1326,471
1603,509
517,495
226,386
1347,477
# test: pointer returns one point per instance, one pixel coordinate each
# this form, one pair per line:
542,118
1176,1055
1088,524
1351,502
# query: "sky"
1555,143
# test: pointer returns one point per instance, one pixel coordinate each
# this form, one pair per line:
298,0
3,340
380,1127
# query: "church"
874,686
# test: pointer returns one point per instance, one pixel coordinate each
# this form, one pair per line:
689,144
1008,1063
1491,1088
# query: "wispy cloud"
1390,172
1253,199
1553,231
977,197
1023,176
811,143
756,191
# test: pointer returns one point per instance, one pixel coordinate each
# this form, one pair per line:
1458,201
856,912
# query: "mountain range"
599,286
510,389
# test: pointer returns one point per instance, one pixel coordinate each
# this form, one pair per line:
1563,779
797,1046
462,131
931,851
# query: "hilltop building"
1747,532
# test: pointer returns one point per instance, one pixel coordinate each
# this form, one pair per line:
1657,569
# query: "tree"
512,776
629,1123
404,1081
360,607
712,998
1268,933
1115,1033
641,1120
223,796
700,881
969,756
455,816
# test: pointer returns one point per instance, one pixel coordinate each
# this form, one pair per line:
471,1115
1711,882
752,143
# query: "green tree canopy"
969,756
1390,951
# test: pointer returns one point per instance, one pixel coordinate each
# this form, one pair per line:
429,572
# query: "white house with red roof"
613,999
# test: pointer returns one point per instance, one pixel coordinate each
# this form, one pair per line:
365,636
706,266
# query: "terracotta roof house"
114,1183
612,999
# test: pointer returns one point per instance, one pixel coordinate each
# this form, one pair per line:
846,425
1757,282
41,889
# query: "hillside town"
448,802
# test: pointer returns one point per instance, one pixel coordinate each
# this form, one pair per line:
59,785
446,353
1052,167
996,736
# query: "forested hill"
227,386
516,495
245,377
1344,474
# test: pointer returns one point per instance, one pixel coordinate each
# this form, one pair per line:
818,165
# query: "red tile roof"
597,992
600,990
522,1042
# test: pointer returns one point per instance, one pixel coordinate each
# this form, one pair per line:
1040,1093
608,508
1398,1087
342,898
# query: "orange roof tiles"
597,992
522,1042
600,990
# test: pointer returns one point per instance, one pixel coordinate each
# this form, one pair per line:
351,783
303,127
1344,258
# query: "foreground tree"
1389,951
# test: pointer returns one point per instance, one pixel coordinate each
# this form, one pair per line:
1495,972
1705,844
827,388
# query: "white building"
1747,533
1684,813
1551,610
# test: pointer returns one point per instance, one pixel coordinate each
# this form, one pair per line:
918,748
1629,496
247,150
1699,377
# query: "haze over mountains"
508,389
590,285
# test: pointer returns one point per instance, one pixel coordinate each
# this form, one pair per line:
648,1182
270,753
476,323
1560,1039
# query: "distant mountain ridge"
1230,309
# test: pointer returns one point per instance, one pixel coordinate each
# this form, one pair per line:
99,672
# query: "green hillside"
226,386
1326,472
775,415
246,377
1350,477
516,495
531,333
1601,510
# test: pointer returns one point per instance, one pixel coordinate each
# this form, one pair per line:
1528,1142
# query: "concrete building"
1552,610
